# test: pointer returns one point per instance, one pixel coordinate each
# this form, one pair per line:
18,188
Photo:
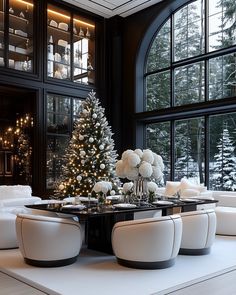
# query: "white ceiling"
109,8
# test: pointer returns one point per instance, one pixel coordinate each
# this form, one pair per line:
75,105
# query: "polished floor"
97,273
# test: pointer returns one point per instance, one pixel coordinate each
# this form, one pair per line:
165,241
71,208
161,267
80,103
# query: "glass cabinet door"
59,43
83,42
71,46
61,114
20,49
2,16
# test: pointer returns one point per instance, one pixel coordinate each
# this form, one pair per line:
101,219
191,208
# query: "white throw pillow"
172,188
186,184
189,192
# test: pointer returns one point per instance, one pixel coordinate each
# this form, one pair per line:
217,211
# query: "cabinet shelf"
59,62
18,18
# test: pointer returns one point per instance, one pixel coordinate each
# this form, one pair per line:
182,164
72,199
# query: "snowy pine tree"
225,164
90,156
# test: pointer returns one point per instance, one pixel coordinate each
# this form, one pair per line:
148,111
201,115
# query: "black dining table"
99,220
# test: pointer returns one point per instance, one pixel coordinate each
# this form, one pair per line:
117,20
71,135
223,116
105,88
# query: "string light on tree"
90,154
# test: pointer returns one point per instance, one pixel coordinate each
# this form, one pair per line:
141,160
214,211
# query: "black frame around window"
204,109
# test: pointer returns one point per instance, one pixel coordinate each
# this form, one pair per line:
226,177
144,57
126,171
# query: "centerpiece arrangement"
144,168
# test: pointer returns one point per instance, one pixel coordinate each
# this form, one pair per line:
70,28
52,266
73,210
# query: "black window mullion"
207,150
172,149
172,98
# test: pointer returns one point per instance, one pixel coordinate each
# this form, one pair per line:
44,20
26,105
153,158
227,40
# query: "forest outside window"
192,61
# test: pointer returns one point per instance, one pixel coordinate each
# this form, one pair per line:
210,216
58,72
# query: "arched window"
189,93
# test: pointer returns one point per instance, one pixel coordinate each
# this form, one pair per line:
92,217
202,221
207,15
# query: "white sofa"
12,201
225,212
16,195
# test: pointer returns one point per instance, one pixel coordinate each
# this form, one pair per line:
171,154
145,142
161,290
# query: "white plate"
162,203
79,207
190,200
125,206
86,199
113,198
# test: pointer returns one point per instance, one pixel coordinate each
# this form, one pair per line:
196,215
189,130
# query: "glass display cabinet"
2,17
71,46
61,113
16,34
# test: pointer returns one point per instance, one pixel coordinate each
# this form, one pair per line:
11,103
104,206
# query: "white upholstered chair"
148,243
7,231
199,228
48,241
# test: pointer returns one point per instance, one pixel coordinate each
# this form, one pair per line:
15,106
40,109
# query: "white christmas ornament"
79,177
101,147
94,116
91,139
102,166
81,137
112,192
82,153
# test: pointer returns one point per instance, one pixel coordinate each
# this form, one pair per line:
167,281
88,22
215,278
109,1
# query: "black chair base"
146,265
203,251
50,263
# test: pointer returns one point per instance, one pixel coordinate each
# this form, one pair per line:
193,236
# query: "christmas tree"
90,156
225,164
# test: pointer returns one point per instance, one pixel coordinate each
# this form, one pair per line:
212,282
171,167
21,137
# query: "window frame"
204,109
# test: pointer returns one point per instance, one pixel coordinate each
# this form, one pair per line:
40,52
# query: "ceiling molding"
109,8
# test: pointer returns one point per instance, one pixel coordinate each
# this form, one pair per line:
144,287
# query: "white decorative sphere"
101,147
157,173
94,116
130,172
97,187
139,152
79,177
148,156
82,153
91,139
97,124
152,187
145,169
133,159
81,137
125,154
112,192
127,187
120,169
102,166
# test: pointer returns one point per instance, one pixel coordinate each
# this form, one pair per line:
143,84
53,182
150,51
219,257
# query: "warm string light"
68,17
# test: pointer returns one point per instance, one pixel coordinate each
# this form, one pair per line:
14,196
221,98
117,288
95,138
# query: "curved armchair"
199,228
48,241
148,243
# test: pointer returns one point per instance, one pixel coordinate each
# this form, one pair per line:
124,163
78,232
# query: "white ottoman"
8,231
226,221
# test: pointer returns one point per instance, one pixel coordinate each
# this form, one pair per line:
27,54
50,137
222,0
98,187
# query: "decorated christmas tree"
90,156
